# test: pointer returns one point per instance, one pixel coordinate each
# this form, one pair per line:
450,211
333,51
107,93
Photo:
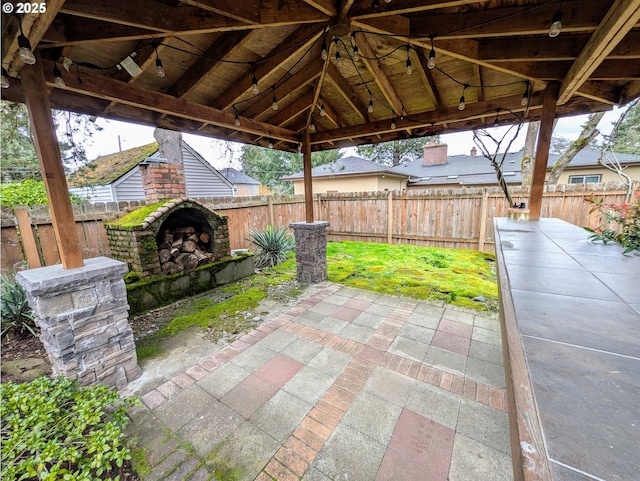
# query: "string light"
356,54
393,124
431,63
323,54
338,57
4,80
323,113
461,105
25,53
57,77
254,81
409,69
525,97
270,144
274,101
237,119
556,25
312,127
370,108
496,122
159,67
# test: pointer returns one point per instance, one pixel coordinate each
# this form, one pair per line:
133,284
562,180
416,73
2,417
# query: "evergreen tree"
270,165
19,159
626,135
396,152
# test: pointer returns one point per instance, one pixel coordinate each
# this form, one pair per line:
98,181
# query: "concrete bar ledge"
570,314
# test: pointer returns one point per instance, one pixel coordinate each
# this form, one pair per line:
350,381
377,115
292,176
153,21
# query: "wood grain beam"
327,7
428,81
542,149
346,92
46,144
546,71
622,17
292,111
510,21
323,72
130,94
379,76
362,8
331,114
301,38
209,62
245,11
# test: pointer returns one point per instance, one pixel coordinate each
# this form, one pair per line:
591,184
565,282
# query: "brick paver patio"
346,384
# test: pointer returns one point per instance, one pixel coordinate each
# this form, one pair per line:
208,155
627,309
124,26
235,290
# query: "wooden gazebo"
315,74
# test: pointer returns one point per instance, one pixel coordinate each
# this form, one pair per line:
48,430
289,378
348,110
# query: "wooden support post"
272,217
37,99
484,206
390,217
549,103
308,187
29,242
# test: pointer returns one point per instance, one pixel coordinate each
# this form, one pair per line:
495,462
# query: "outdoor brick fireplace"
169,237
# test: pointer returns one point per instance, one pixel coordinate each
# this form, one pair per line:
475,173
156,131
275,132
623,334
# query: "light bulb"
274,103
4,80
525,99
254,89
25,53
409,69
322,111
237,120
270,144
300,147
312,127
323,54
370,108
338,59
356,54
556,25
59,81
393,125
159,68
387,1
496,123
461,104
431,63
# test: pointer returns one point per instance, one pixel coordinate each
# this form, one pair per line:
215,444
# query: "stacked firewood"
183,249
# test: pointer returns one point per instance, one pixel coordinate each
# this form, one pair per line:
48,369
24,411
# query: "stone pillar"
83,317
311,250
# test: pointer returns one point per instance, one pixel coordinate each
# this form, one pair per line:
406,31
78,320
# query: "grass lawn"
455,276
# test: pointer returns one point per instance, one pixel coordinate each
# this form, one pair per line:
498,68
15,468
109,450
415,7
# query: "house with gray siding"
116,177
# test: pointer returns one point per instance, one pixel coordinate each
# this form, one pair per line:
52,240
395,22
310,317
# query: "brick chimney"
435,154
163,176
474,151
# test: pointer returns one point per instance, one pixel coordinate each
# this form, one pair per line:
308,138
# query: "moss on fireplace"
136,218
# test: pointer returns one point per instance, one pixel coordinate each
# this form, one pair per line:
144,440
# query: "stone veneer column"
311,250
83,317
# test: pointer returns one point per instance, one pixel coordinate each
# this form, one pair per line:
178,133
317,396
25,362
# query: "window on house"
584,179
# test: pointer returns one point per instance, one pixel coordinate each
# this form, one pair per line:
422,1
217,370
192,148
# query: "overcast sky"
216,152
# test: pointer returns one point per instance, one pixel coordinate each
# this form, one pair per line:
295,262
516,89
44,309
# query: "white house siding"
129,186
202,180
95,193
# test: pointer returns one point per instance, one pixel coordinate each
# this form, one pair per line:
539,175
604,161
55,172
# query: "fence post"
29,241
272,217
390,217
483,218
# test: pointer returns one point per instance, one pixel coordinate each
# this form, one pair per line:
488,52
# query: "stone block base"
82,315
311,250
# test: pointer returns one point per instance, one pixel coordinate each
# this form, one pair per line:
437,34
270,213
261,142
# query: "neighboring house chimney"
163,177
474,151
435,154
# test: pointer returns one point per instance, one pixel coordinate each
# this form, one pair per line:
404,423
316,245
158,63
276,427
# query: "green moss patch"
455,276
137,217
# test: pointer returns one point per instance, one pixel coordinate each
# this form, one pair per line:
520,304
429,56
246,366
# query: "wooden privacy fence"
460,218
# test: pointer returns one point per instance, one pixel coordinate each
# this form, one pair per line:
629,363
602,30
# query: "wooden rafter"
622,16
323,72
362,8
331,114
428,81
348,95
327,7
246,10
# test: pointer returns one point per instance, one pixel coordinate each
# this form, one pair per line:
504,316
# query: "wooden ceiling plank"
130,94
293,110
622,17
428,81
344,89
509,21
327,7
245,10
209,62
379,76
346,6
331,114
291,11
362,9
608,70
323,72
286,88
303,37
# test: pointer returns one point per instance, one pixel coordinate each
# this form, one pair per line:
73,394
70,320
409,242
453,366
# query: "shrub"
621,223
273,245
27,192
54,429
16,314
